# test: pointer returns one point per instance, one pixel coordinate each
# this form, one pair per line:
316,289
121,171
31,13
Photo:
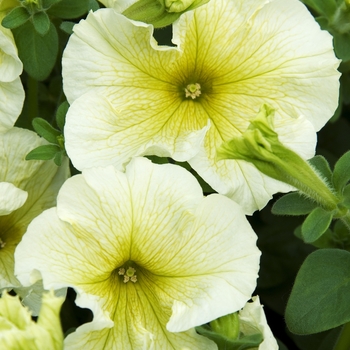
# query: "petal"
112,136
252,317
12,198
11,103
11,66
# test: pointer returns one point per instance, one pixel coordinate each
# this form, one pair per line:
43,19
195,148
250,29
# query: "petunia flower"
19,332
11,89
131,97
252,318
146,252
26,189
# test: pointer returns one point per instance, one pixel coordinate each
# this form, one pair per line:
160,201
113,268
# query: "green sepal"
41,22
61,114
320,298
37,52
293,204
321,164
227,326
316,224
67,27
46,130
16,17
245,342
44,152
68,9
341,173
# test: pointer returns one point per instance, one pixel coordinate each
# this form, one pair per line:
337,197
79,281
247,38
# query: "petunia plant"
177,118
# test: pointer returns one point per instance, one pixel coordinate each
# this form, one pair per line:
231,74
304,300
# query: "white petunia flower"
252,318
11,89
131,97
146,252
26,189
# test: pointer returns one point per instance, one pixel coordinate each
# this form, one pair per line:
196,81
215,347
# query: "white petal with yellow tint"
252,318
121,134
40,179
11,198
190,254
11,89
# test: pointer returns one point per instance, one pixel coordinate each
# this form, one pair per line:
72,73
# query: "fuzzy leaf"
44,129
15,18
320,298
68,9
341,174
316,224
321,164
37,52
41,22
61,114
293,204
44,152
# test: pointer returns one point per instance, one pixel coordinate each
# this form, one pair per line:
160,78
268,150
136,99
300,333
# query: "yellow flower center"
193,90
129,274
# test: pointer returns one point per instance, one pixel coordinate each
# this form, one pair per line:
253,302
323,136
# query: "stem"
32,98
343,342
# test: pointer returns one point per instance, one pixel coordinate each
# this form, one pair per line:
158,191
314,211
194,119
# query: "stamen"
2,243
193,90
129,274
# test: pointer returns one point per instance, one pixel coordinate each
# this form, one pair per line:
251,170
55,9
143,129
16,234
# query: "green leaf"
342,46
321,164
16,17
316,224
41,22
44,129
44,152
68,9
58,158
61,114
341,174
37,52
48,3
93,5
324,7
293,204
346,194
320,298
223,343
67,27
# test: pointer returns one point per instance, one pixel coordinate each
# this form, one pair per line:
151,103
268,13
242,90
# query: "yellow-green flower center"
193,90
128,274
